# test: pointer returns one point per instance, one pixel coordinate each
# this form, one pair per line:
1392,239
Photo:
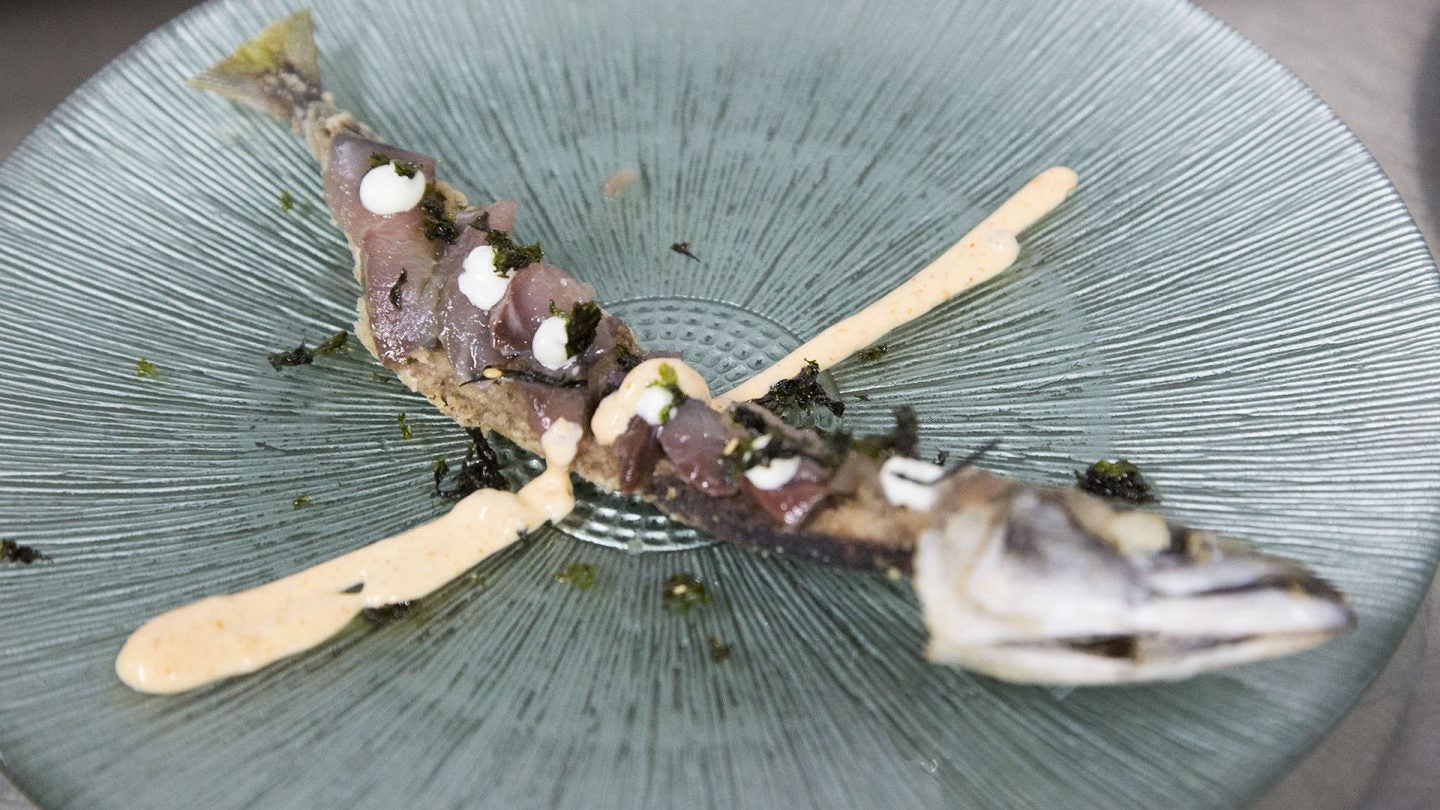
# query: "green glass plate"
1235,298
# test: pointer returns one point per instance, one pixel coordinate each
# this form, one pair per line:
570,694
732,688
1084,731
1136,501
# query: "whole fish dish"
1016,581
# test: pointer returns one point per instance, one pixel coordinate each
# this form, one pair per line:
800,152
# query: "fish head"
1058,586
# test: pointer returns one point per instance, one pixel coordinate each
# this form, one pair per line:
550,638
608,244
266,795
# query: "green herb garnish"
683,248
13,552
437,222
300,355
577,575
1115,479
378,159
794,400
287,203
300,500
670,381
872,354
719,650
684,591
405,432
480,469
145,368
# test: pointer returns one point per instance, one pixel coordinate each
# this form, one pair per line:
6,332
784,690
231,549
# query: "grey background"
1376,62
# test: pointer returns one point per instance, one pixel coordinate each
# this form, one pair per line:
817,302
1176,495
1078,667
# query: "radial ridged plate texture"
1235,299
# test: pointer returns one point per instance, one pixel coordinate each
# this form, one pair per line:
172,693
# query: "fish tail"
276,72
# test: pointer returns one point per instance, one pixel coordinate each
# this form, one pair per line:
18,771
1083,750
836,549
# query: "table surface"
1376,62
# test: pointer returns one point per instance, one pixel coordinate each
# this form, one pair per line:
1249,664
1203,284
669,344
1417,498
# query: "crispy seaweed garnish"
626,360
828,451
480,469
796,399
719,650
395,289
683,248
1116,479
872,354
404,168
510,256
580,326
13,552
385,614
902,440
577,575
437,223
300,355
684,591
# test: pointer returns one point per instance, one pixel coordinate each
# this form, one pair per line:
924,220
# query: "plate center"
726,343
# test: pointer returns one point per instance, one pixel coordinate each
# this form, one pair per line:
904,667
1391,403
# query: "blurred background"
1376,62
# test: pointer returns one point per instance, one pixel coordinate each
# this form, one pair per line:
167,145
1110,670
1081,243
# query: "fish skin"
533,291
694,439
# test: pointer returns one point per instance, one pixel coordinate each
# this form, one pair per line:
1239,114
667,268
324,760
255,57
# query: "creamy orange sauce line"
222,636
984,252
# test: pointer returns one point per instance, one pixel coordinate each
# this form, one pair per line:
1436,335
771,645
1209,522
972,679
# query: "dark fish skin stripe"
734,519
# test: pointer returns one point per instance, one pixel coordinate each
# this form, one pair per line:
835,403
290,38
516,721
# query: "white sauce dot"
548,345
760,443
775,474
479,281
653,403
383,191
910,482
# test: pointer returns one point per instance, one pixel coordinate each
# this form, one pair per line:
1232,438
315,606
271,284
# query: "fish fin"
275,72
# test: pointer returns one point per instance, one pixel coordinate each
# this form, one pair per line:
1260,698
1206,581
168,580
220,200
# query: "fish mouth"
1056,587
1102,660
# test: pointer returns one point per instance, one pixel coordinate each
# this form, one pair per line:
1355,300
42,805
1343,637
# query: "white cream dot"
910,482
652,404
774,474
383,191
479,281
548,344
